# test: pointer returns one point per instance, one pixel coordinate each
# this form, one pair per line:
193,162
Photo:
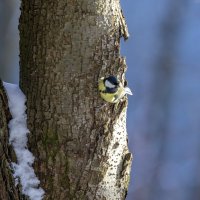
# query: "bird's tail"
128,91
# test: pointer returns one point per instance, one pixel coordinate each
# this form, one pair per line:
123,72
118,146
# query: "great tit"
112,90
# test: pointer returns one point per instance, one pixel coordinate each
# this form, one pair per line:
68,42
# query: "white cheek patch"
109,84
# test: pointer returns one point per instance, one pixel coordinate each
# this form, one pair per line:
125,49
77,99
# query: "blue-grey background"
163,57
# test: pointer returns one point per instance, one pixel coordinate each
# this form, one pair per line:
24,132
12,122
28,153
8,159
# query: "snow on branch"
18,131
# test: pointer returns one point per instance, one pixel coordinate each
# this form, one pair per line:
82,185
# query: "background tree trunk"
65,47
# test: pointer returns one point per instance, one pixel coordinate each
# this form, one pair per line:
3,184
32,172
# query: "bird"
112,90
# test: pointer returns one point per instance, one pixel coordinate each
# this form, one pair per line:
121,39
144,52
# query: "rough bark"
65,47
8,191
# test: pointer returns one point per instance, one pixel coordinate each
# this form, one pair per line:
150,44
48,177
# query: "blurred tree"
65,47
165,112
9,42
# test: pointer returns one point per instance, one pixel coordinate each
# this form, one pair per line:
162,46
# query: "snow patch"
18,131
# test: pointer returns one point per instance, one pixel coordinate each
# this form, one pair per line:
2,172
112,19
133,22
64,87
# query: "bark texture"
65,47
8,191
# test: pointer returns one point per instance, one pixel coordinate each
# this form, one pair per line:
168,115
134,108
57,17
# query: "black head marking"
113,80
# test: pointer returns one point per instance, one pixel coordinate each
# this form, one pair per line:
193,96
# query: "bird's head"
111,82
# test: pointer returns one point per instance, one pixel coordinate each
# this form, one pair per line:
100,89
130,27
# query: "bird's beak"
128,91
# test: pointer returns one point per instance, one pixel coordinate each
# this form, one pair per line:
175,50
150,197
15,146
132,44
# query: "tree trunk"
65,47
